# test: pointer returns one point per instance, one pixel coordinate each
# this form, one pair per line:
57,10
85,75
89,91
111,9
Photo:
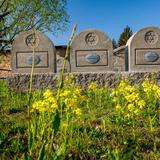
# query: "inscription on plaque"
36,59
92,58
151,56
24,59
147,56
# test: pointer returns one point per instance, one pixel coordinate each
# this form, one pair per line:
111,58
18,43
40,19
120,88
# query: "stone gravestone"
91,51
144,50
22,53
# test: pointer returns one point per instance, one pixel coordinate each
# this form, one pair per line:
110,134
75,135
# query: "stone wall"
20,82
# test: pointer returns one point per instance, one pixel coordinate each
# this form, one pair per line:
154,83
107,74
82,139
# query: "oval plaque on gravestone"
36,60
92,58
151,56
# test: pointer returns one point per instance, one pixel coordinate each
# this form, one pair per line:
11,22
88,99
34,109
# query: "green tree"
124,36
115,45
16,15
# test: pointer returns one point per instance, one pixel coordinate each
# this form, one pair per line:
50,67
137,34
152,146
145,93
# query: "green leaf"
30,140
56,122
27,157
61,150
42,151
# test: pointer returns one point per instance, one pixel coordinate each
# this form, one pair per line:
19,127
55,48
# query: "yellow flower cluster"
92,86
127,99
48,103
72,97
151,89
69,79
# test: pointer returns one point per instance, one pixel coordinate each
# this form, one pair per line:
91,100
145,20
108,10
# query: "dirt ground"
5,66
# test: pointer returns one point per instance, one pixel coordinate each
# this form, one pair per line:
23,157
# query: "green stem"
30,84
65,61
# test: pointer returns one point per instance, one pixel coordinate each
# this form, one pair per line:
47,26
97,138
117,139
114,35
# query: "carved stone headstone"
91,51
22,53
144,50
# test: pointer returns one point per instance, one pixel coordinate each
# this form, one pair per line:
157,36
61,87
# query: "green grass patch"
99,123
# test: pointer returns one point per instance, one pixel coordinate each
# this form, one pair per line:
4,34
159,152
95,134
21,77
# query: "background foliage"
16,16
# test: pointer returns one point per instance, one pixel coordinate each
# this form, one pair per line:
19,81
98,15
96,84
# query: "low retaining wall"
20,82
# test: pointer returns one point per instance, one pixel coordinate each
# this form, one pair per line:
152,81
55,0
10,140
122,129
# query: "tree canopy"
124,36
16,16
114,43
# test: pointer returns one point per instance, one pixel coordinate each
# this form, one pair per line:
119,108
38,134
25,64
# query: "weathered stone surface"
59,62
120,59
20,82
92,51
60,54
144,50
22,53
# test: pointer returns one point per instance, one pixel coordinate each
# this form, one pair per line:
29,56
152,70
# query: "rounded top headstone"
23,47
91,50
144,50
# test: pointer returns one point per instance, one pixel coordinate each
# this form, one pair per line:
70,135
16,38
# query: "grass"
100,132
13,120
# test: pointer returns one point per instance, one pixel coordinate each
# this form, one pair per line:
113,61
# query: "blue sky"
109,16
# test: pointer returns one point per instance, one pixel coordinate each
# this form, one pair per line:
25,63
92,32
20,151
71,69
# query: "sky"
109,16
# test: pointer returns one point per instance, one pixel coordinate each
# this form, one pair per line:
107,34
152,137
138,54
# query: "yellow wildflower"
131,107
118,107
78,90
66,80
158,92
54,106
93,86
137,112
132,97
147,86
64,125
42,109
141,103
128,115
66,93
71,75
78,111
70,102
47,94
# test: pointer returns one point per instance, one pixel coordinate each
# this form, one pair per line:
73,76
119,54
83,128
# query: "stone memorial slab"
22,53
144,50
91,51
